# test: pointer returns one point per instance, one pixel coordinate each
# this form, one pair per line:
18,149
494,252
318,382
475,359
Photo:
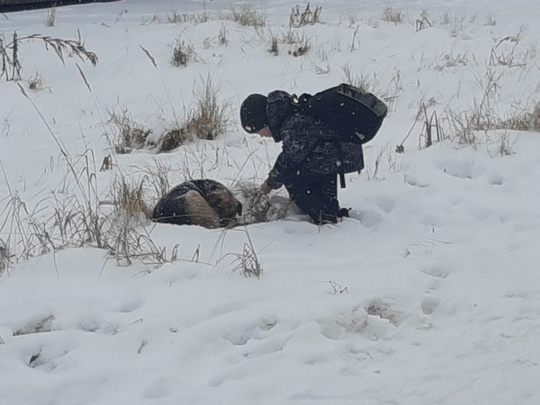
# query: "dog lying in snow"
198,202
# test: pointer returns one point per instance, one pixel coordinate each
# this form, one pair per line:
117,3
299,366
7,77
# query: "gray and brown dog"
205,202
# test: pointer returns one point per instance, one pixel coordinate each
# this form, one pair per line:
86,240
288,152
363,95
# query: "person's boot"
343,212
322,218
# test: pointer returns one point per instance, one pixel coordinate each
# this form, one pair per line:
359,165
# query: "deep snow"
429,293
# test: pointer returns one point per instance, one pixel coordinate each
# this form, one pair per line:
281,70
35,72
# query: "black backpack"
355,114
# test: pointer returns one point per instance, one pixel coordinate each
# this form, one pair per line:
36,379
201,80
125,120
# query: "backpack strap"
341,168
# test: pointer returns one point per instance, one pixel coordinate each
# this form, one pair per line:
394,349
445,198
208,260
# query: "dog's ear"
239,208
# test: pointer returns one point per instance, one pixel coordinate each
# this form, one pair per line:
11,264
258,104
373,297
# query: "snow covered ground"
429,293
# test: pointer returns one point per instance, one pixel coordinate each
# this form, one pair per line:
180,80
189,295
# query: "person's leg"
317,197
329,189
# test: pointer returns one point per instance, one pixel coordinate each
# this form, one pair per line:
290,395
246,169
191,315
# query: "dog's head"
225,204
221,199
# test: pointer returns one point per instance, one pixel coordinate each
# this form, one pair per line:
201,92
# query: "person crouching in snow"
311,158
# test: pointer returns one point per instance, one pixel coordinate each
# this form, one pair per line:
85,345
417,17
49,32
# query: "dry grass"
246,17
299,43
183,53
461,127
179,18
299,18
393,15
124,134
247,262
74,215
172,139
209,117
158,178
507,52
484,113
223,36
431,128
5,256
130,199
451,60
465,124
274,45
82,219
505,145
11,64
51,17
35,83
518,121
536,118
361,81
422,23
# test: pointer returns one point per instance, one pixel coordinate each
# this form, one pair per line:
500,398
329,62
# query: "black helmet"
253,113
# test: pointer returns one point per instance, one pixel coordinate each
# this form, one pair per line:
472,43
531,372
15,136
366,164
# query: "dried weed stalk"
75,215
431,128
391,14
247,17
5,256
505,52
246,263
307,17
422,23
125,134
179,18
11,66
209,118
183,53
51,17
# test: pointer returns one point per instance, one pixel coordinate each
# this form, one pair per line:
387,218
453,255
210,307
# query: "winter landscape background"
429,293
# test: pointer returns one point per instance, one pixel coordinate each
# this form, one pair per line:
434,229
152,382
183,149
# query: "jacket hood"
279,108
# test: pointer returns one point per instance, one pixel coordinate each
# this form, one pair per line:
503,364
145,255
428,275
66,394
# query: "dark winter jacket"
309,145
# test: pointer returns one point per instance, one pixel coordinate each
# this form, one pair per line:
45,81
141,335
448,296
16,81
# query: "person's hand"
265,188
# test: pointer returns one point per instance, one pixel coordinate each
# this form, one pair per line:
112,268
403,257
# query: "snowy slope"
429,293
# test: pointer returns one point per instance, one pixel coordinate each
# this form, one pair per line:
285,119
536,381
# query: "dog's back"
205,202
173,207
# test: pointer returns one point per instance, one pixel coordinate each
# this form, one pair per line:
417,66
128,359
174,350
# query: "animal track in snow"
429,305
376,320
495,179
46,358
240,335
127,302
367,218
387,204
461,168
378,307
436,271
38,325
161,388
414,181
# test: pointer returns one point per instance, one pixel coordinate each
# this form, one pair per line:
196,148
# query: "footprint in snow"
367,218
436,271
38,325
429,305
127,302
